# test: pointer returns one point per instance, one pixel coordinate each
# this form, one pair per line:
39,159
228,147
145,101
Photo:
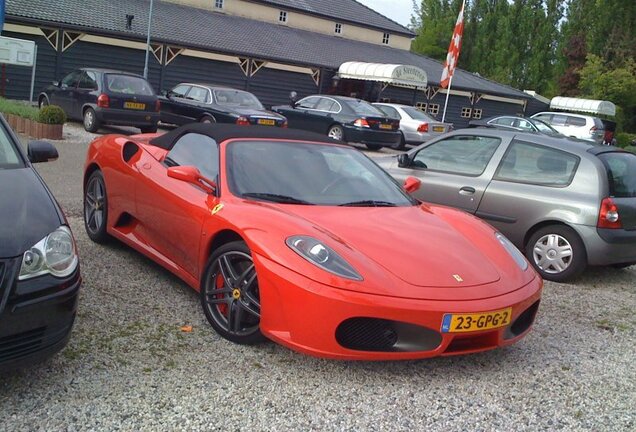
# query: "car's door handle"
467,190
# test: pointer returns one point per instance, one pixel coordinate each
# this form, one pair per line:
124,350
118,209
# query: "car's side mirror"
411,184
41,151
403,160
56,83
191,174
293,99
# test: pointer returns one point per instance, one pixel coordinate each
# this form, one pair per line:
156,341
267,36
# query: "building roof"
210,31
341,11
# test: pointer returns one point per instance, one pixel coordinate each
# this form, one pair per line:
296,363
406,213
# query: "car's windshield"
544,127
9,157
310,174
236,98
416,114
364,108
128,84
621,173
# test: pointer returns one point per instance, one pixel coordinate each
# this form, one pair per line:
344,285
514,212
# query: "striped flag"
453,49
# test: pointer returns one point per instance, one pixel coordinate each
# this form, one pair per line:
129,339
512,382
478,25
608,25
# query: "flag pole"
450,83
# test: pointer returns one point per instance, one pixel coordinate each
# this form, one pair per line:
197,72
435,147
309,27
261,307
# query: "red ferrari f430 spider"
291,236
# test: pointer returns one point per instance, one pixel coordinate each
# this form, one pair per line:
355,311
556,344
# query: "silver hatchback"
566,204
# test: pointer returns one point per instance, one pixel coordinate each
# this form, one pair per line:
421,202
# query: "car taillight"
423,127
103,101
361,123
608,216
158,105
285,124
242,121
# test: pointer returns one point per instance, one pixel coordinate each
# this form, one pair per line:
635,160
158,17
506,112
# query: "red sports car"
294,237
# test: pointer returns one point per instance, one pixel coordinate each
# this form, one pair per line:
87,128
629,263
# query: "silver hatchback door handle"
467,190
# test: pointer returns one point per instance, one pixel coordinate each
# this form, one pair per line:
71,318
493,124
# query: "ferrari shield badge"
458,278
217,208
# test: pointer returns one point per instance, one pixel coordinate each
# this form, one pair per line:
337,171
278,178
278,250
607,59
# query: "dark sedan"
104,96
39,268
343,118
205,103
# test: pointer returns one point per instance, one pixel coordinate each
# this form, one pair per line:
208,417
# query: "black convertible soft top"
223,132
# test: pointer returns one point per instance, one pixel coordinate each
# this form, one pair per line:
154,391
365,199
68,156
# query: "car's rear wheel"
207,119
402,144
44,101
96,208
230,294
91,124
336,132
148,129
557,253
374,147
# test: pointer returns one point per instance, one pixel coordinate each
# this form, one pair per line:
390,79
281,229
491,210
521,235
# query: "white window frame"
477,112
218,4
282,16
338,29
433,109
466,112
385,38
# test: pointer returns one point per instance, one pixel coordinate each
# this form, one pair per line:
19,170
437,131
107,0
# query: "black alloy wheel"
96,208
230,294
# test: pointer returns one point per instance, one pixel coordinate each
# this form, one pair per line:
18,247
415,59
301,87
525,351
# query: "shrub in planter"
51,114
49,123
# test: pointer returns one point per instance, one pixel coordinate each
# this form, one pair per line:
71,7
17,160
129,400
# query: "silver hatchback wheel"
552,253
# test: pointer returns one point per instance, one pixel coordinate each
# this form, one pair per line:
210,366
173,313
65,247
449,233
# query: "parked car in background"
565,203
207,103
267,239
416,126
343,118
39,267
104,96
581,126
518,123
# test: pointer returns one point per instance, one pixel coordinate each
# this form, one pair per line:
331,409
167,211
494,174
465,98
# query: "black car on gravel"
343,118
105,96
39,267
207,103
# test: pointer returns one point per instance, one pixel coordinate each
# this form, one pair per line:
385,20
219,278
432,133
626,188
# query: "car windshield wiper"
285,199
368,203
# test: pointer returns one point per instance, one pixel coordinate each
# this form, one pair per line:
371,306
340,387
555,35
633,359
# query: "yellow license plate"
460,323
266,122
134,105
438,128
385,126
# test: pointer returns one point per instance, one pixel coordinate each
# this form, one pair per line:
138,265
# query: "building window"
422,106
338,28
218,4
282,17
433,109
385,38
466,112
477,113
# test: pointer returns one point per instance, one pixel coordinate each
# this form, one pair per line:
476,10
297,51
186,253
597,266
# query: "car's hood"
412,243
27,211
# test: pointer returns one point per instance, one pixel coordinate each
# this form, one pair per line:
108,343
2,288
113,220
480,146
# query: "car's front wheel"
557,253
96,208
44,101
91,124
230,294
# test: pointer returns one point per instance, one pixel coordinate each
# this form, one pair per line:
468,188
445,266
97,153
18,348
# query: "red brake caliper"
219,285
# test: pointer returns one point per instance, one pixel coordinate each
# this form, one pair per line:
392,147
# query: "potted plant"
49,123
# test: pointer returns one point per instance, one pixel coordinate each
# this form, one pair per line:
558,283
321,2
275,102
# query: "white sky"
397,10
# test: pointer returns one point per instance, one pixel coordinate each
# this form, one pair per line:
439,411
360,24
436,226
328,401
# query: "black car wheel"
402,144
207,119
336,132
374,147
43,101
148,129
230,294
96,208
557,253
91,124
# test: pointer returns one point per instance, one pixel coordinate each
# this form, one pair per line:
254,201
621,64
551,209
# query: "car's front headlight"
513,251
321,255
55,254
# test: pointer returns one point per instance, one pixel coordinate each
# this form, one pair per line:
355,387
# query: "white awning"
401,75
583,105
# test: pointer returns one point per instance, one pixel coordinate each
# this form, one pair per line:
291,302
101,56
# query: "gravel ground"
129,367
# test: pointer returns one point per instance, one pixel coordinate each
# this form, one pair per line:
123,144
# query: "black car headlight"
55,254
321,255
513,251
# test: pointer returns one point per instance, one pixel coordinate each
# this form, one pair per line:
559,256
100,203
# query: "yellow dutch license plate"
134,105
385,126
438,128
460,323
266,122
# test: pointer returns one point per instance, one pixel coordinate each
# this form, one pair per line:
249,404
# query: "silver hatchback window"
537,164
459,154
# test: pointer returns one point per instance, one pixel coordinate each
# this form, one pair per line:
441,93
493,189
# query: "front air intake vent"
376,334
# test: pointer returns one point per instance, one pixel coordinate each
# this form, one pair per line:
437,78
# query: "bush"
19,109
630,149
51,114
624,139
